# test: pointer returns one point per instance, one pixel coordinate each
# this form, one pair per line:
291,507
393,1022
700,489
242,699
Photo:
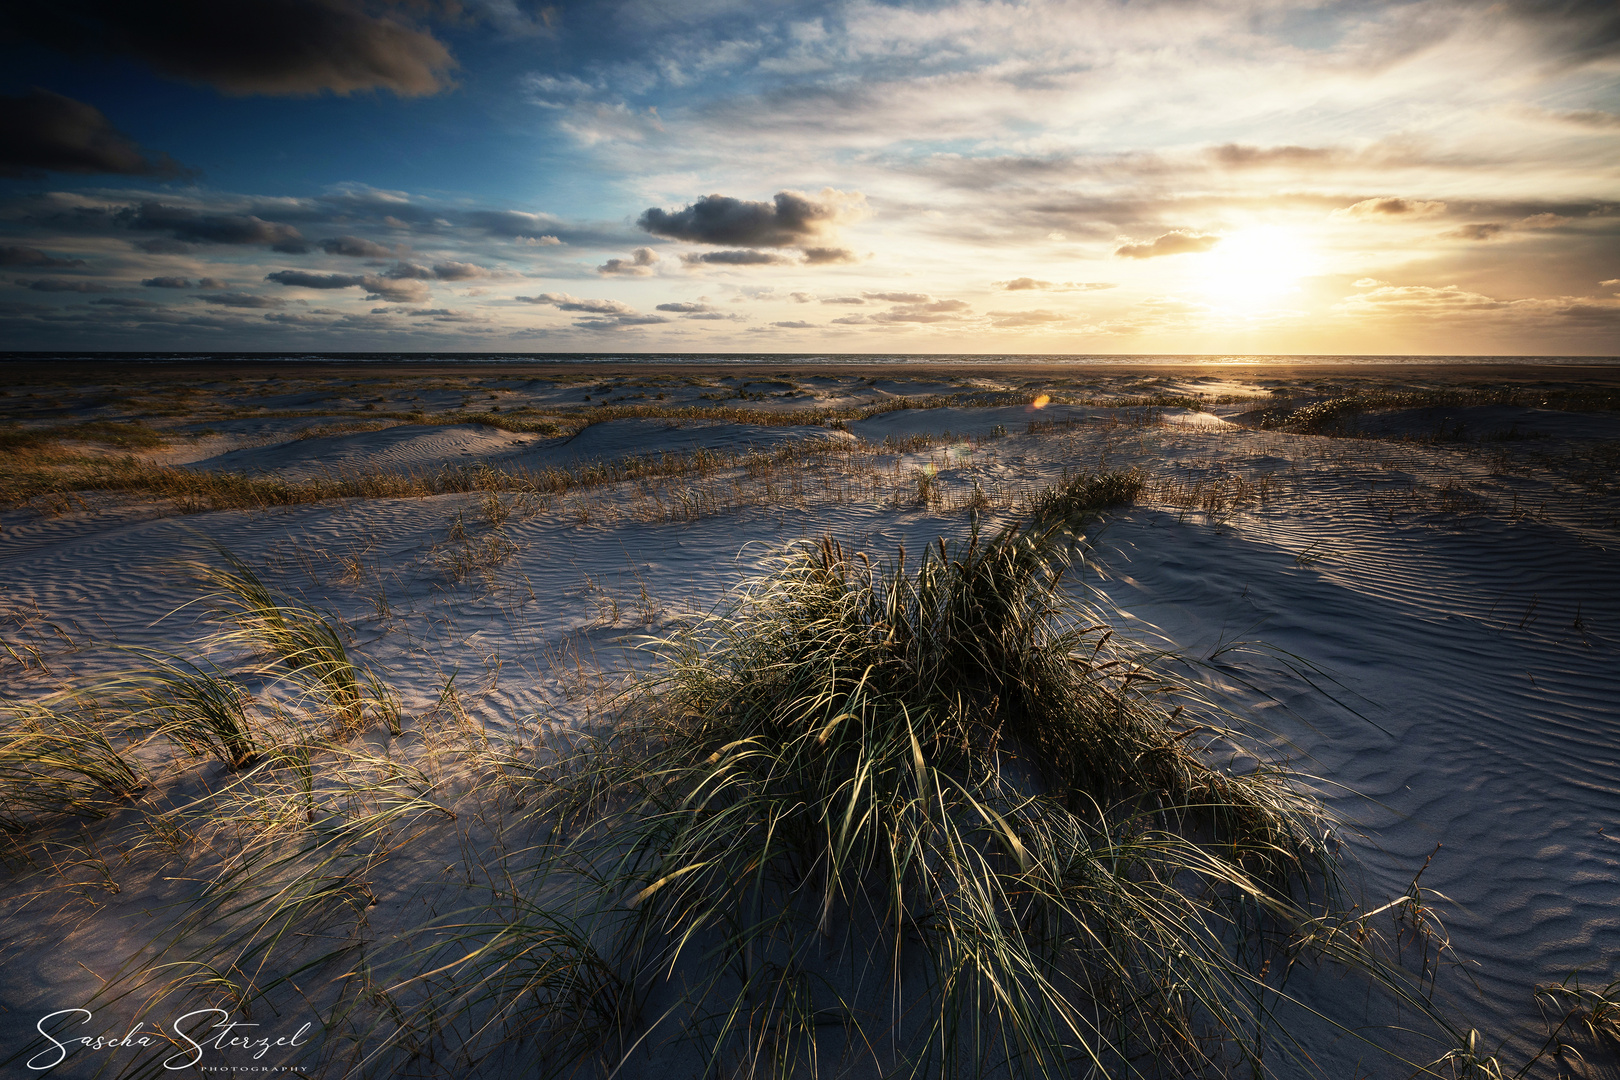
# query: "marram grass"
924,818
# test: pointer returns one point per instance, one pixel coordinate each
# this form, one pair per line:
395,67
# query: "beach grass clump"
936,809
59,760
198,708
310,647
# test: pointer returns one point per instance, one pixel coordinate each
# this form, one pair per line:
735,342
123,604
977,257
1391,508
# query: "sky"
811,176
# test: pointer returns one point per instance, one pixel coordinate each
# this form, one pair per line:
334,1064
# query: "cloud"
303,279
1025,283
436,314
275,47
899,297
1594,119
933,312
639,264
619,322
800,297
45,132
166,282
686,307
188,225
243,300
565,302
1012,320
857,300
795,324
1390,207
400,289
1236,156
851,320
458,271
1486,230
63,285
1175,242
122,302
789,220
355,248
396,290
35,258
734,258
817,256
1541,221
208,283
1452,304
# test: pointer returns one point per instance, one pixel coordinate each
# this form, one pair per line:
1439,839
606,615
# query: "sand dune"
1429,630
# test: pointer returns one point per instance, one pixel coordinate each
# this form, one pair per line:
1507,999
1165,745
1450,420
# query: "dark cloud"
1391,207
639,264
162,245
34,258
788,220
243,300
293,47
619,321
516,223
436,314
399,290
187,225
168,283
1579,31
63,285
686,307
119,301
898,297
41,131
816,256
305,280
796,324
565,302
1237,156
1176,242
734,258
1485,230
1596,119
445,271
458,271
210,283
355,248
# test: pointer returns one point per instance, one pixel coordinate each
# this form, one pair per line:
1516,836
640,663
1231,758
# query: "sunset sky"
1161,176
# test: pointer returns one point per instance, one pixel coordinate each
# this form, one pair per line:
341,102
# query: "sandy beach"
1399,584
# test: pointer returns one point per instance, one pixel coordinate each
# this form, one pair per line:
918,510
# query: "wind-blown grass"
928,819
59,760
306,642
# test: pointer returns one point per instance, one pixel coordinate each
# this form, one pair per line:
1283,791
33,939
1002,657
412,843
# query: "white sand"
1477,644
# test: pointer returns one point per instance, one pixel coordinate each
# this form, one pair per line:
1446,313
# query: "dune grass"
58,758
922,817
926,819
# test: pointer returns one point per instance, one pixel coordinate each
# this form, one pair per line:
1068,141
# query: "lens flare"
1043,401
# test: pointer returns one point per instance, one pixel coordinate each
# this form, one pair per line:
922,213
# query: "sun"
1256,267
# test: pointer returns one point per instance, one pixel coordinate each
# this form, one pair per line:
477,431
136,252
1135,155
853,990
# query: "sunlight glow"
1256,267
